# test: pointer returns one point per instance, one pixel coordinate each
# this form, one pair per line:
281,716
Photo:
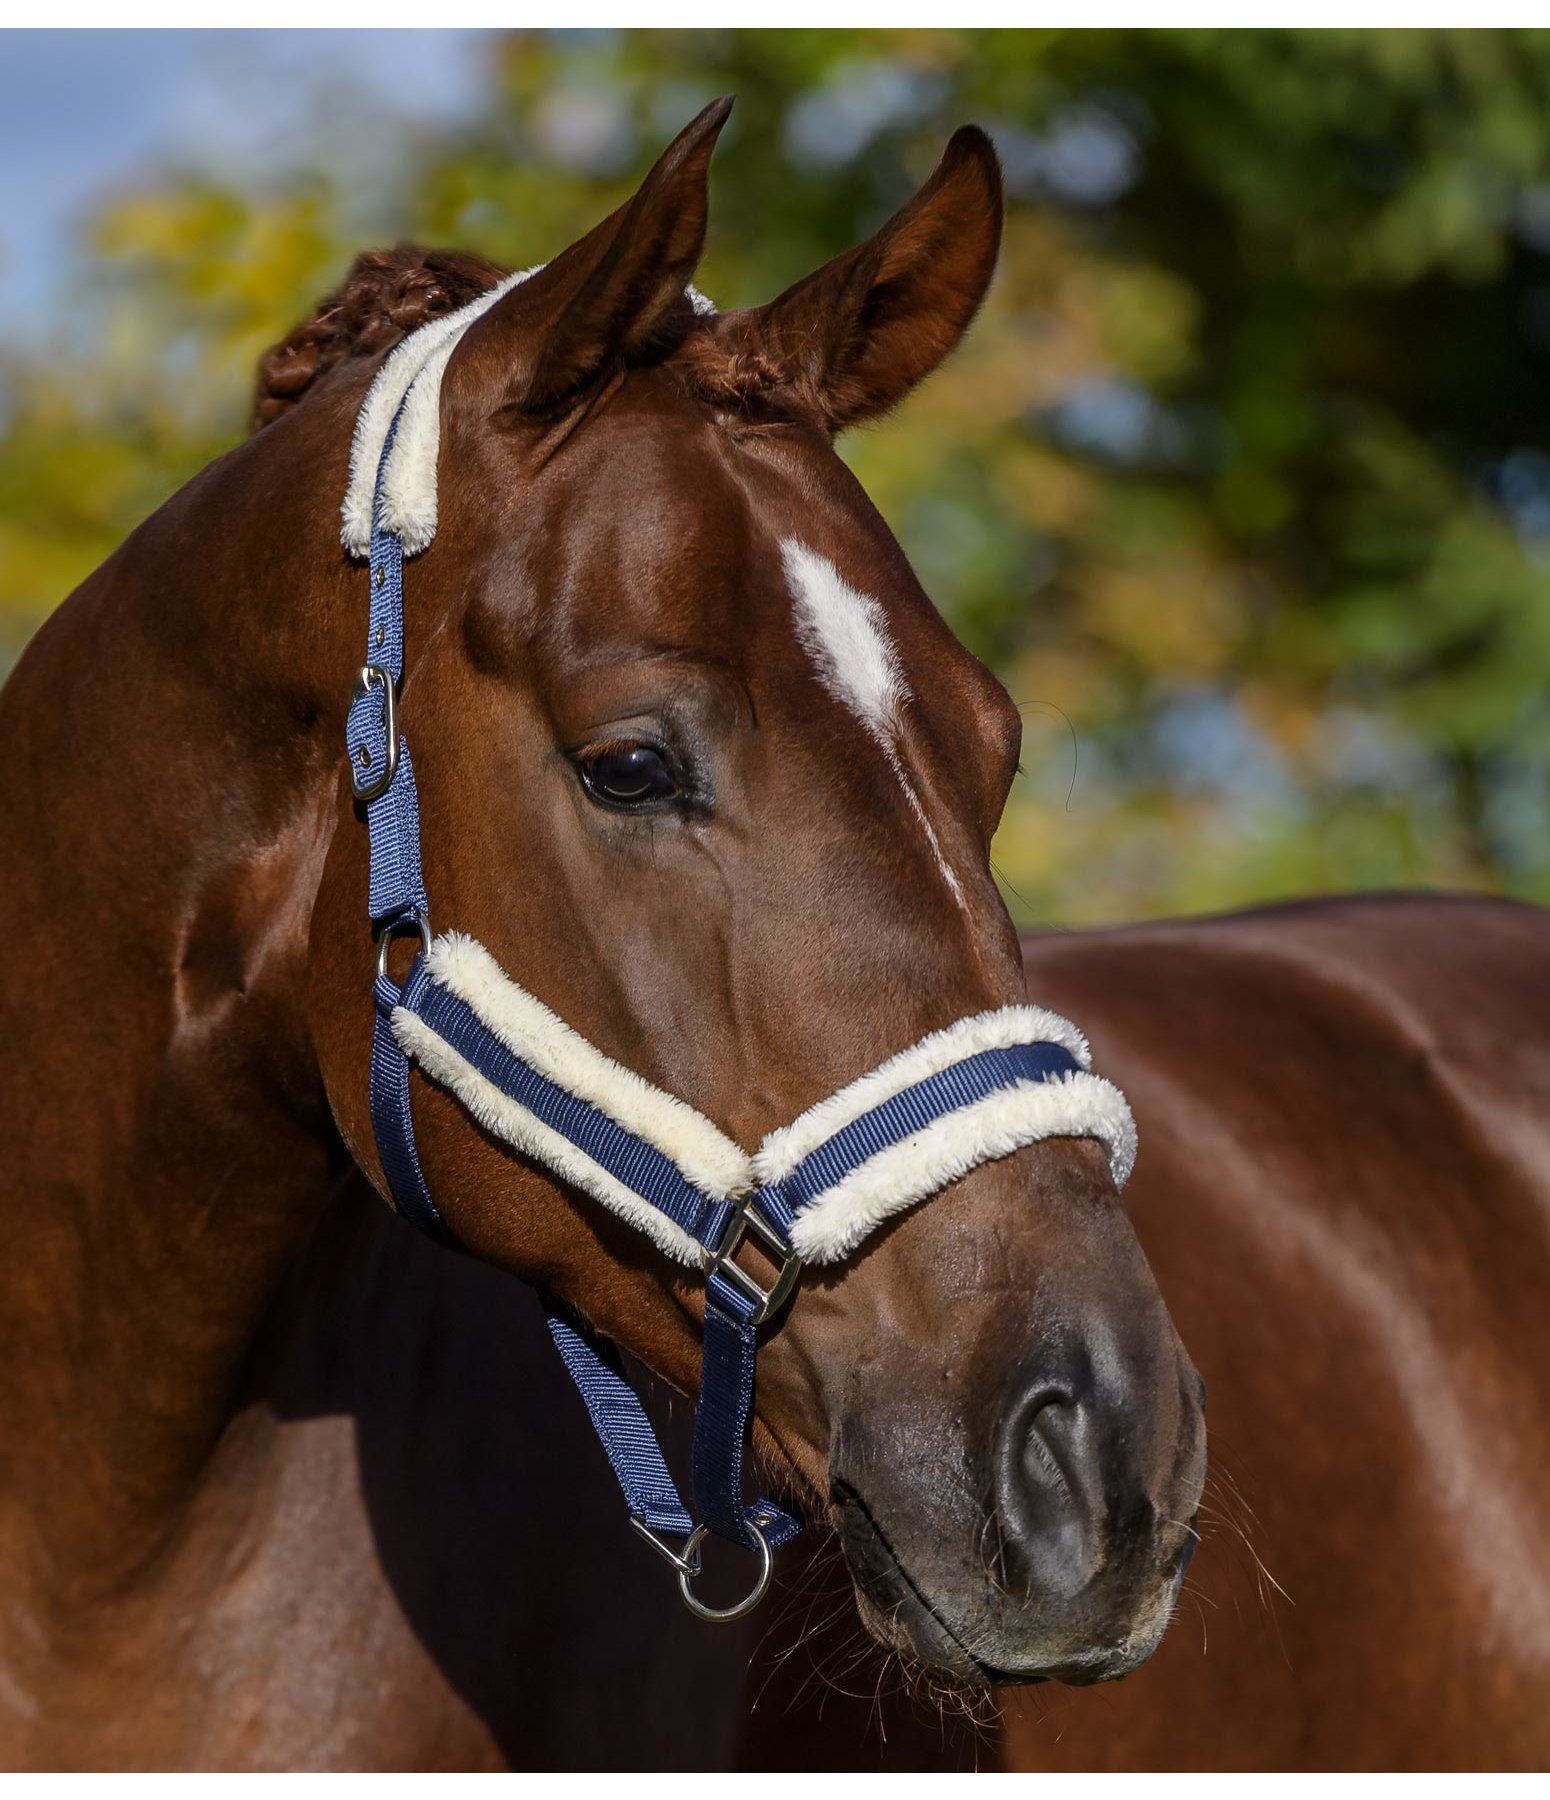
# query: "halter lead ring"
960,1097
687,1563
714,1615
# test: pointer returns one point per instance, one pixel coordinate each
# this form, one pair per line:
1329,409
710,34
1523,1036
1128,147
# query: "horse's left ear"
611,296
865,328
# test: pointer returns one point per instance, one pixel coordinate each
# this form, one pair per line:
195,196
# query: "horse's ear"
863,330
612,295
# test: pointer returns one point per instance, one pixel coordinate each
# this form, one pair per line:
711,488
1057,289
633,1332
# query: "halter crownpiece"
812,1192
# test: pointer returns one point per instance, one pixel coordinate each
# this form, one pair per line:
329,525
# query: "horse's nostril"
1076,1472
1050,1493
1049,1442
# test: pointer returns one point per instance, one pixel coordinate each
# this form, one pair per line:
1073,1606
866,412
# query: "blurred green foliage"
1242,481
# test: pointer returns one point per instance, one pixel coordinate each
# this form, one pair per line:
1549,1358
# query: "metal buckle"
374,675
743,1220
388,932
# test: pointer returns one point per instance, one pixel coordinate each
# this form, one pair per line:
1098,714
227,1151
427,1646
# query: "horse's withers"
650,561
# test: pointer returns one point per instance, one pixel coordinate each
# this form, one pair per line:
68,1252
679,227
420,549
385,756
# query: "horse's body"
1364,1282
279,1485
700,764
1364,1286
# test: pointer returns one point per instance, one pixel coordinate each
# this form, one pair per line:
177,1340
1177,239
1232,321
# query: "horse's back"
1344,1191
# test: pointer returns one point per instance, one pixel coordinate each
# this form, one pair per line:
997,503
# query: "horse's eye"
627,775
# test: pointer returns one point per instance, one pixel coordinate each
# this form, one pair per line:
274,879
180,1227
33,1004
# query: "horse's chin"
915,1633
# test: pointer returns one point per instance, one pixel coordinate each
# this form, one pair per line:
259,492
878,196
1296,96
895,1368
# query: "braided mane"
386,295
390,293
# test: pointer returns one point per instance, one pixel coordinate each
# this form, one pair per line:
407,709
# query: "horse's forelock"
386,295
734,378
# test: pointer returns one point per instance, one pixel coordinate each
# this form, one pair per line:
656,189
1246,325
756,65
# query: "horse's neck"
171,741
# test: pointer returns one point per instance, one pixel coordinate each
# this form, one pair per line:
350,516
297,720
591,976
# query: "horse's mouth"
891,1605
901,1616
906,1621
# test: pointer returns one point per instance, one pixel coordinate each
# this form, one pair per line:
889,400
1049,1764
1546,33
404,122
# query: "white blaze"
846,635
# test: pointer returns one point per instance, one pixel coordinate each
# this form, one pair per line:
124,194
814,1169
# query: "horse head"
702,767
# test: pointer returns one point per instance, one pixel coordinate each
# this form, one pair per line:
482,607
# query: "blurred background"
1241,482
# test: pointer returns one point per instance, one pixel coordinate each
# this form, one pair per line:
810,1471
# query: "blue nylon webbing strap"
620,1421
397,891
637,1165
385,625
397,888
393,1124
912,1109
721,1421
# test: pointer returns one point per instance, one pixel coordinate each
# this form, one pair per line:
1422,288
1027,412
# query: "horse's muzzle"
1054,1550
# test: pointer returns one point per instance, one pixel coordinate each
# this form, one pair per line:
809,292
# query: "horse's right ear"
863,330
612,295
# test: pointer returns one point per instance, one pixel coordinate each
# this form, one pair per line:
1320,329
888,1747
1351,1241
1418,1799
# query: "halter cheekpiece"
977,1090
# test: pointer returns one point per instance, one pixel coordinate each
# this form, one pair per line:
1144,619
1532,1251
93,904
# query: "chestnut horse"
1363,1282
284,1485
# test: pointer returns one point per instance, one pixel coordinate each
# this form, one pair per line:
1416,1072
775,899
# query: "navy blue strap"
393,819
912,1109
392,1123
397,894
620,1422
721,1421
633,1162
397,886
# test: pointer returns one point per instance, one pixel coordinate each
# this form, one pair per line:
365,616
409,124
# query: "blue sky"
87,111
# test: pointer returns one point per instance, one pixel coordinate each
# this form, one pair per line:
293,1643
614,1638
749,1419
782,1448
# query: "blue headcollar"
978,1090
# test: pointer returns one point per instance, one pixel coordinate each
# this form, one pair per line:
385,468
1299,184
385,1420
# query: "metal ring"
724,1616
388,932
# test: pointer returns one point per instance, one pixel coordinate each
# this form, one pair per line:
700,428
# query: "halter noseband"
978,1090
